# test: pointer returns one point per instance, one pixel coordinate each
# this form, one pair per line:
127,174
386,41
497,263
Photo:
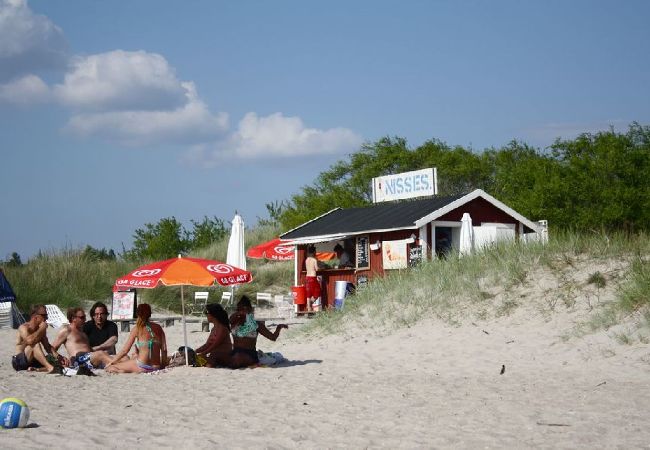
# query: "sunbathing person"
32,346
76,342
244,334
150,343
218,347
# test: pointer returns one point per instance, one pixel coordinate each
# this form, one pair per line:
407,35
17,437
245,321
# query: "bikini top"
247,329
149,342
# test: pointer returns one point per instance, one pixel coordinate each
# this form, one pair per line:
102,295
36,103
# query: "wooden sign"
124,304
415,255
363,252
362,281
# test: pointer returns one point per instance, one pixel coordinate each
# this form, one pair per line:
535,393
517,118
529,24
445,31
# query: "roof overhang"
469,197
316,239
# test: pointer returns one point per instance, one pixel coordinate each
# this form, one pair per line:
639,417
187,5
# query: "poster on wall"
123,305
394,254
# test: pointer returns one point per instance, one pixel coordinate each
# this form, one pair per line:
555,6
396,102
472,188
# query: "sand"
432,385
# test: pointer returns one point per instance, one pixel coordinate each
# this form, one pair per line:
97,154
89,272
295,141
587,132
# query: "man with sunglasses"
32,346
76,342
101,332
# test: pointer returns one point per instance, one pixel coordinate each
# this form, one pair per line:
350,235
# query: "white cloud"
121,80
28,42
192,122
135,98
279,136
26,90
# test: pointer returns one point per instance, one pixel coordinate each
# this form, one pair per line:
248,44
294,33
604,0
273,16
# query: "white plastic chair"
5,315
284,305
226,298
265,297
55,316
198,305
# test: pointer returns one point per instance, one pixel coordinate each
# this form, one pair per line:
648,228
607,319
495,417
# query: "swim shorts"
312,287
19,362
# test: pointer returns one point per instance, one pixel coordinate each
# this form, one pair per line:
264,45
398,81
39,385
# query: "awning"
316,239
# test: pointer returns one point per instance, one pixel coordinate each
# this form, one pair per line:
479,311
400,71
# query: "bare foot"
40,369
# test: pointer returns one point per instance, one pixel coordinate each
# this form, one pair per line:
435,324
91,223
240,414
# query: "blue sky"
117,114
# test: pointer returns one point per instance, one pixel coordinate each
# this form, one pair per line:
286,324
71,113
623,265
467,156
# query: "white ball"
14,413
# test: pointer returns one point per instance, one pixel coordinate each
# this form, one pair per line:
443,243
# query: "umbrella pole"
187,363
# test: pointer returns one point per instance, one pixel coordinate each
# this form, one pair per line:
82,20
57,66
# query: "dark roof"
380,216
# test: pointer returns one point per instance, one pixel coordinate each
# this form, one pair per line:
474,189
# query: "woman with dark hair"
218,347
149,339
244,334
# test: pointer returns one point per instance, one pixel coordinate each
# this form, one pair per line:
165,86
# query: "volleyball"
14,413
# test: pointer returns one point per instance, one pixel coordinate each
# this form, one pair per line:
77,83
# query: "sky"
118,114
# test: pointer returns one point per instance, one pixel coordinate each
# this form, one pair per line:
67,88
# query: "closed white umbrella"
236,253
466,235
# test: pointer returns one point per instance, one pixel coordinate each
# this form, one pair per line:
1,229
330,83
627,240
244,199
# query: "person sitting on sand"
76,342
32,346
150,342
101,332
244,334
218,347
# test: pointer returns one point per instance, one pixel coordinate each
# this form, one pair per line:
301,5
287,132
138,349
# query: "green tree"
93,254
206,232
161,240
349,183
606,179
15,260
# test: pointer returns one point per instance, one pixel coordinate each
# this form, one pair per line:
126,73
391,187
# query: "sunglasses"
42,315
81,317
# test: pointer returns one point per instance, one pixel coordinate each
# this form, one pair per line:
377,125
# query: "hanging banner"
395,254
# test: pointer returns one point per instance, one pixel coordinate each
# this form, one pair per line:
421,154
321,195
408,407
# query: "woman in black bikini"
149,339
244,334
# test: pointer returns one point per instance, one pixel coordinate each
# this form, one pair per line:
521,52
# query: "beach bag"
178,358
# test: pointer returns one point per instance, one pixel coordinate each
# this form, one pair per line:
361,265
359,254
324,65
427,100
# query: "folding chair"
284,305
198,305
5,315
265,297
55,316
226,298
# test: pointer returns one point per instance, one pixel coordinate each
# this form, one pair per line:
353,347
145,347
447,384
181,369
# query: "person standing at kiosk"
312,286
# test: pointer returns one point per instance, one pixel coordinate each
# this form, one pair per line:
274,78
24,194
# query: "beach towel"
270,359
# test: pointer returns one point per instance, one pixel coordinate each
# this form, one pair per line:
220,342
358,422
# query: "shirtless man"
76,342
312,286
32,343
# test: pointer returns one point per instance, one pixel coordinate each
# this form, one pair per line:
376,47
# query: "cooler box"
299,295
340,289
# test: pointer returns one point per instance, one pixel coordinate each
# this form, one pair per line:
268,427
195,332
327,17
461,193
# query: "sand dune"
430,385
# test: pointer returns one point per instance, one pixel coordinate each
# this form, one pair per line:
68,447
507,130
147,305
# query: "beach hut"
395,235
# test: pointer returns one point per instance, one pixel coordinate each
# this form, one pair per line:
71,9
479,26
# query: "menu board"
415,255
363,252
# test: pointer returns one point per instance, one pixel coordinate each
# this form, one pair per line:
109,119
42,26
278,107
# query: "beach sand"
432,385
